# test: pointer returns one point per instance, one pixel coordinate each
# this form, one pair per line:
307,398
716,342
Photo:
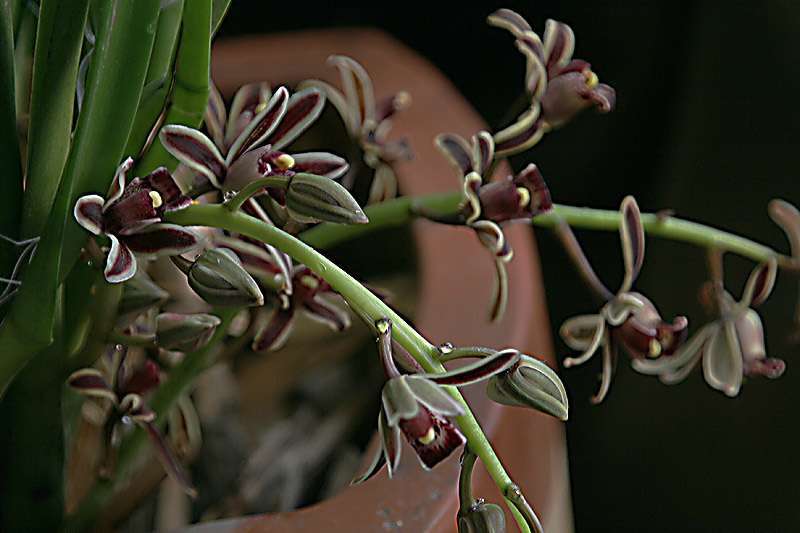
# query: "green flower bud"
530,383
140,293
482,518
185,333
312,198
218,277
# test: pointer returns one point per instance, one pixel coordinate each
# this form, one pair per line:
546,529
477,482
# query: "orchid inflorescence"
232,218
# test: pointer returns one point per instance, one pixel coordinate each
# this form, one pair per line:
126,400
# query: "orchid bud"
218,277
140,293
482,518
312,198
530,383
185,333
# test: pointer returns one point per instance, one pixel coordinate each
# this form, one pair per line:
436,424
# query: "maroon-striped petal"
261,126
195,150
320,163
760,283
521,135
168,458
120,264
332,316
91,382
535,71
275,331
485,368
118,183
390,442
302,109
158,240
215,117
482,152
89,213
358,91
457,150
631,234
378,460
509,20
244,106
559,43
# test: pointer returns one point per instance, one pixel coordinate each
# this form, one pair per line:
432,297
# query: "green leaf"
114,83
218,10
190,88
55,70
157,80
10,160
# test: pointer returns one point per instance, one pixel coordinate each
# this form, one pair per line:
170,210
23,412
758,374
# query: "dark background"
706,124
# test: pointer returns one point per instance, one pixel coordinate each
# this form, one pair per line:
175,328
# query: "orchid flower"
124,386
486,206
131,218
247,143
416,406
368,122
628,318
731,346
558,86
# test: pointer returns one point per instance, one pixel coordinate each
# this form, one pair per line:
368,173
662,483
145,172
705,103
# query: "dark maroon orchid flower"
368,123
559,87
730,347
628,319
131,218
247,145
487,206
416,406
124,386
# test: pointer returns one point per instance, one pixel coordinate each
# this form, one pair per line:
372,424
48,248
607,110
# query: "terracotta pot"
456,277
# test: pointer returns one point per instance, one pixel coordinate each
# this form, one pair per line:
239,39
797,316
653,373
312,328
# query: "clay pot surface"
456,277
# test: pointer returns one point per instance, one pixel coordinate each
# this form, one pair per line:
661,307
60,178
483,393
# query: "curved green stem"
351,290
396,212
238,200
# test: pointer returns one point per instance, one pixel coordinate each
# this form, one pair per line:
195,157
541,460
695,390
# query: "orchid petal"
91,382
535,70
559,44
215,117
457,150
631,233
482,152
482,369
89,213
597,339
760,283
275,331
302,109
686,353
509,20
262,125
378,460
444,439
195,150
399,401
722,361
390,442
120,264
499,292
609,365
118,183
159,240
521,135
383,186
168,458
319,310
246,103
335,97
358,91
433,396
320,163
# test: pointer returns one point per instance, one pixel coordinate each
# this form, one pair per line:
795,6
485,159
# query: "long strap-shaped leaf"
114,84
190,87
59,37
158,80
9,145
